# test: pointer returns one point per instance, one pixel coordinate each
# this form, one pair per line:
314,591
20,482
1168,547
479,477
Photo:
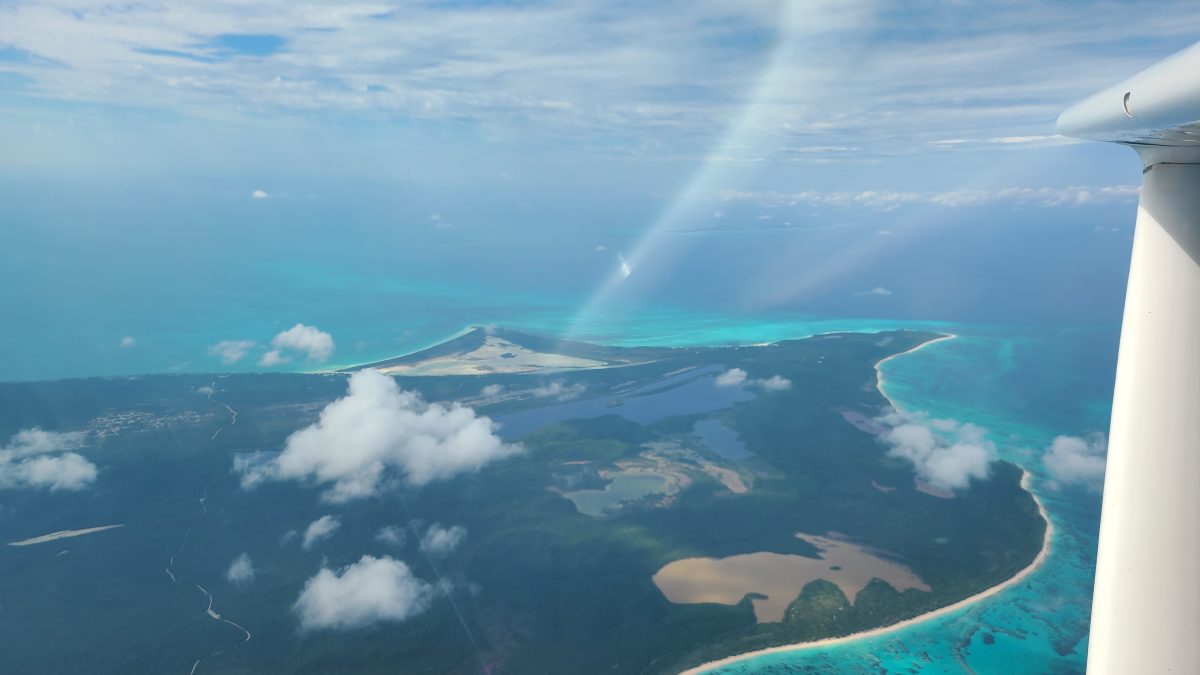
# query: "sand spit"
496,355
61,534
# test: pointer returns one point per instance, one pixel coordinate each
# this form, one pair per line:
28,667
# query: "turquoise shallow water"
1025,388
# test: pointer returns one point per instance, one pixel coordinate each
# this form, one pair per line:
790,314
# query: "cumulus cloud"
1072,460
69,471
492,390
369,591
734,377
392,535
241,570
316,344
375,430
273,358
559,390
128,342
37,441
441,541
319,530
774,383
946,454
259,194
43,459
231,351
878,290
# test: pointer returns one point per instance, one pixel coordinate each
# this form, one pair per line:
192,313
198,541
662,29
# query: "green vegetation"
537,586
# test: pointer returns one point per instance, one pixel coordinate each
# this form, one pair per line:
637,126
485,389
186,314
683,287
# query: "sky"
854,158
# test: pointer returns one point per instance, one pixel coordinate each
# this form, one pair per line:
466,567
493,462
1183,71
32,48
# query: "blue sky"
838,147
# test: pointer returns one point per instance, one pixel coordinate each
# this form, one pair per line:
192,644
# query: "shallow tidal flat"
776,579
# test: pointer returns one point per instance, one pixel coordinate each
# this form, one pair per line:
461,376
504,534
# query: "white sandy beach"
1043,554
879,379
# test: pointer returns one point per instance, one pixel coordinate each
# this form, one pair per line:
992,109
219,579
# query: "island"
669,508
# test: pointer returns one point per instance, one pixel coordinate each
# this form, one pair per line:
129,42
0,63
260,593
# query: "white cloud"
441,541
259,194
69,471
878,290
42,459
1077,461
37,441
686,67
375,429
319,530
367,592
272,358
232,351
600,248
392,535
128,342
317,344
734,377
492,390
774,383
945,454
889,200
241,570
559,390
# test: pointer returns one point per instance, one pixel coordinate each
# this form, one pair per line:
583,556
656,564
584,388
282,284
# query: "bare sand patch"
1038,561
496,355
780,577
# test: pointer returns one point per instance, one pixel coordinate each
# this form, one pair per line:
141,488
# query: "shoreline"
1021,575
